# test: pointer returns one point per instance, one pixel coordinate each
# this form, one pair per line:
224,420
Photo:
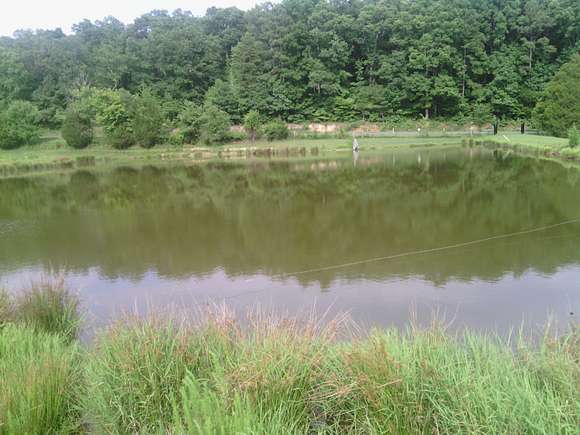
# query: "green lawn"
52,153
532,141
543,146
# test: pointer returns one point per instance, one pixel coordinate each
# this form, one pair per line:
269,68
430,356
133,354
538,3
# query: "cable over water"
429,250
402,255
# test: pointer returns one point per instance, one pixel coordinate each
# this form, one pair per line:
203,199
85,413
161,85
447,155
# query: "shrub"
113,110
121,137
570,153
214,125
40,380
235,136
48,306
77,128
189,121
252,123
147,119
176,137
276,130
18,125
573,136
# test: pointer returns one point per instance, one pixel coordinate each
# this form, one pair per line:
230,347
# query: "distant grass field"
546,146
276,375
52,153
528,140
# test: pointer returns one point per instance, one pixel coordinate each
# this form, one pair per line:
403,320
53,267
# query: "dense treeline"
308,59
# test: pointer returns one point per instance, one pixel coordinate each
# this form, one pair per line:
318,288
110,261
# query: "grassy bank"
276,375
547,146
53,154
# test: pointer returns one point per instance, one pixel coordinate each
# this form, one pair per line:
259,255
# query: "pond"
384,237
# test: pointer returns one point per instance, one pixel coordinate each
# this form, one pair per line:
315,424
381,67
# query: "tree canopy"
308,59
559,107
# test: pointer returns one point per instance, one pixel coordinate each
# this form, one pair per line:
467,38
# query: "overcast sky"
49,14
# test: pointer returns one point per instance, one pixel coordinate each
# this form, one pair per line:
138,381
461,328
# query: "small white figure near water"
355,146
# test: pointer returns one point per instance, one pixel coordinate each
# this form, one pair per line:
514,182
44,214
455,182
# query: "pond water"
283,235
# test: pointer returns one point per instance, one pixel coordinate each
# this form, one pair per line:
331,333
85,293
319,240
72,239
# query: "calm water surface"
245,233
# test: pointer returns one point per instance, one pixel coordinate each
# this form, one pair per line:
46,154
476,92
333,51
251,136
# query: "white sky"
49,14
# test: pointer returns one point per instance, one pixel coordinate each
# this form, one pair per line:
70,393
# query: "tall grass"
40,383
5,307
273,375
136,370
48,306
283,376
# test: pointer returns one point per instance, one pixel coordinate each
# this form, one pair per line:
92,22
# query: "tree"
247,70
77,127
18,125
113,110
301,60
559,108
481,114
13,77
222,95
189,122
147,119
214,125
252,123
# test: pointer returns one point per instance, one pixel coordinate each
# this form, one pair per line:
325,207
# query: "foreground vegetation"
273,375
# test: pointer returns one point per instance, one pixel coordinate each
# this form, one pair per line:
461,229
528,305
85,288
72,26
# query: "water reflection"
213,231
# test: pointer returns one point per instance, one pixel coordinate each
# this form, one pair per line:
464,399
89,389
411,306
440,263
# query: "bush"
77,128
147,119
176,137
276,130
235,136
113,110
189,121
252,123
573,137
40,380
120,138
214,125
18,125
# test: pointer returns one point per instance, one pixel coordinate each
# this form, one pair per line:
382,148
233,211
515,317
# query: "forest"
298,60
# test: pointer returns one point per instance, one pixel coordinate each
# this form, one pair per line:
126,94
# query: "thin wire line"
401,255
430,250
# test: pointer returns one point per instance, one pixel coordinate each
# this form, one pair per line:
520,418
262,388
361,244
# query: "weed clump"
48,306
